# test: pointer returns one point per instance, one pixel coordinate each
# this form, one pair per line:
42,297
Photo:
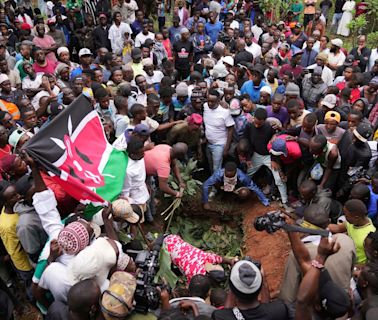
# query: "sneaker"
212,193
286,206
266,189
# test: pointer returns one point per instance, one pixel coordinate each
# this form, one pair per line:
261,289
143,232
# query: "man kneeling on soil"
231,179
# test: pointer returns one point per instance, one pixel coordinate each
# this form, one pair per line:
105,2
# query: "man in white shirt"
256,29
131,7
219,127
134,187
252,47
144,35
321,61
336,57
117,33
152,76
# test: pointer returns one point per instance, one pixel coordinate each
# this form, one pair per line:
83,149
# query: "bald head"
179,150
83,298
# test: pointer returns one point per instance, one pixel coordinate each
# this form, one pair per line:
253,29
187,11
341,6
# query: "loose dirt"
271,249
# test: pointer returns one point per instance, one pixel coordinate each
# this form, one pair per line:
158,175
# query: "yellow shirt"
358,235
12,244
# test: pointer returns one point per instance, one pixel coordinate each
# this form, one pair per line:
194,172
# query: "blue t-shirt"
212,30
252,90
372,207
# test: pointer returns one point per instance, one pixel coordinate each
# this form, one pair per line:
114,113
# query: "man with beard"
321,61
336,57
251,46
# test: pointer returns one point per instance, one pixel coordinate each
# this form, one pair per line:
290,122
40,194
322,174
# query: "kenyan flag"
73,149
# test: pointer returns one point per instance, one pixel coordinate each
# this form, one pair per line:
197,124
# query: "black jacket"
100,37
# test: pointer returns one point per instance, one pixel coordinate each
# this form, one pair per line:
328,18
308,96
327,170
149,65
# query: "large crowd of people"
276,112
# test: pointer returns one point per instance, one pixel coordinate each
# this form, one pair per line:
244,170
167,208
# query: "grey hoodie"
29,230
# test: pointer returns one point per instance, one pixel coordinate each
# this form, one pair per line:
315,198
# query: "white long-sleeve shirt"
117,36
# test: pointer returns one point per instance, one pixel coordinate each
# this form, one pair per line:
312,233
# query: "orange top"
11,108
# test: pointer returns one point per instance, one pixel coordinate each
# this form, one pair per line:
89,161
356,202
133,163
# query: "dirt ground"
271,249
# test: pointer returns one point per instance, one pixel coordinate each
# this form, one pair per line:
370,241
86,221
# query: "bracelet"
317,264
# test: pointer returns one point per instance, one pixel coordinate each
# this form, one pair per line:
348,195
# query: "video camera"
147,296
274,220
270,222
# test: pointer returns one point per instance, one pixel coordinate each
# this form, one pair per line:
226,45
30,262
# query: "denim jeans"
259,160
26,277
214,154
335,21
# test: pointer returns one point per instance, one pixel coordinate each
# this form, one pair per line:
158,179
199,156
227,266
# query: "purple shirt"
281,115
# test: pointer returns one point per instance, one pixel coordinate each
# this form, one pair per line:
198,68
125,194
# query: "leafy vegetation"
220,239
356,26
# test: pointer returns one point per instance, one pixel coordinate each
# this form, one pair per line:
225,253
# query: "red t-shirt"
293,150
158,161
355,92
49,68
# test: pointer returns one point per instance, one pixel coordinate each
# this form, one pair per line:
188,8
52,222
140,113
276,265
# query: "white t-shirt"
27,83
141,38
216,122
134,186
336,59
55,278
156,78
255,49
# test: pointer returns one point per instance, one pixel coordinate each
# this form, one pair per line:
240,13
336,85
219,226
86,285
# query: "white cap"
229,60
84,52
147,62
337,42
62,49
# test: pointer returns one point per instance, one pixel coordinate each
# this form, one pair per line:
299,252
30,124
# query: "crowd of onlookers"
277,111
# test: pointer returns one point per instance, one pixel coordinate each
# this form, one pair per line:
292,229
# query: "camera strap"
238,315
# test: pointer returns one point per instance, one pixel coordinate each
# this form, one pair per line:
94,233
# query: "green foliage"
356,26
165,272
192,185
221,240
372,39
372,15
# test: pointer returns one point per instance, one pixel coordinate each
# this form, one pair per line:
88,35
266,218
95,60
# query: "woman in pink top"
46,43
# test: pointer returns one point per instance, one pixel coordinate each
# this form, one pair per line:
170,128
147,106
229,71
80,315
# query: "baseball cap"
195,118
117,300
149,42
142,130
229,60
15,137
259,68
245,279
333,115
363,132
349,60
298,25
102,15
235,108
334,299
85,52
123,210
337,42
279,147
24,184
329,101
25,26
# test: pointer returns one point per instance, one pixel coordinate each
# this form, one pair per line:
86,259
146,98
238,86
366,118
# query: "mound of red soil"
271,249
